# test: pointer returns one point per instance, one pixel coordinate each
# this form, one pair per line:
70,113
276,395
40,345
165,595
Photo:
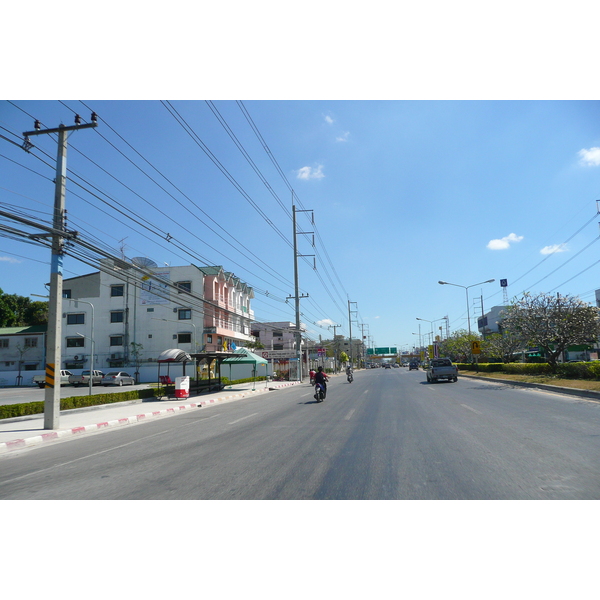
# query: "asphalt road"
388,435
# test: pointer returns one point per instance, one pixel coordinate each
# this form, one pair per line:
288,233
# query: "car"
118,378
413,365
388,366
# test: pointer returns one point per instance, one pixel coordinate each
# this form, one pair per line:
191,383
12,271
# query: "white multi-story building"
21,352
167,310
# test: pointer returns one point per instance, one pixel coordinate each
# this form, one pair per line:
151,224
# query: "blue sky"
404,194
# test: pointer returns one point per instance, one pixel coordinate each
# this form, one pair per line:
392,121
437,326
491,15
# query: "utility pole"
350,325
54,337
335,348
297,296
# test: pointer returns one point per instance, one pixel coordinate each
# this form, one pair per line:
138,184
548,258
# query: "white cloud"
554,248
328,119
325,323
590,157
343,137
505,242
10,260
310,173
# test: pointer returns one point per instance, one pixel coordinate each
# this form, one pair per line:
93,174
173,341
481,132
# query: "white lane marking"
246,417
349,415
469,408
366,392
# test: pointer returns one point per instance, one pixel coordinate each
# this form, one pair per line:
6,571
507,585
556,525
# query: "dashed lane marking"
238,420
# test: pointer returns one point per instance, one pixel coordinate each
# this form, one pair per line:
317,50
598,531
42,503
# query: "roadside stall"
243,356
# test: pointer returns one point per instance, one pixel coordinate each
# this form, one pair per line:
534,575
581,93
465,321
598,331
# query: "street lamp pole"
466,288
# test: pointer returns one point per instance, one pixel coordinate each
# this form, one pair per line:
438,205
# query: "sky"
403,194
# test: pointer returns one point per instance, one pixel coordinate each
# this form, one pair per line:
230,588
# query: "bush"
491,367
528,368
35,408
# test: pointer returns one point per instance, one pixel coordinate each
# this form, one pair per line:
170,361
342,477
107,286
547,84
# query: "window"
31,342
75,318
184,338
256,333
278,334
31,367
66,293
184,286
75,342
117,290
116,340
209,338
116,316
184,314
149,310
4,343
277,346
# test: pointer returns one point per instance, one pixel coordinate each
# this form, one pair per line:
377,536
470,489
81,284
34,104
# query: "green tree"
20,311
458,346
553,323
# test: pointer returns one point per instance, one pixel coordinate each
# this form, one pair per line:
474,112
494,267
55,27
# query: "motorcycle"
319,392
350,378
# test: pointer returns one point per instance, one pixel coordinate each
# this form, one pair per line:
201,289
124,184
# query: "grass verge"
579,384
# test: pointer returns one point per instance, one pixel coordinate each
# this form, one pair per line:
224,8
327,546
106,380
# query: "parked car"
84,378
118,378
40,380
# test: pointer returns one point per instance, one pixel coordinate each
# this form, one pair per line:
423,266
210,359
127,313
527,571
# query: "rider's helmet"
319,368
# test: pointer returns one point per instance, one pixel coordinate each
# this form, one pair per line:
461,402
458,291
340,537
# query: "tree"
20,311
344,358
136,355
503,345
458,346
553,323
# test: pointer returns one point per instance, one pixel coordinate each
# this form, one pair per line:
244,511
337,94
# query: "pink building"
227,313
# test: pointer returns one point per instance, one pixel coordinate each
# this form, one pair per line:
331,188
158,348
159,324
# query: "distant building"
491,322
22,349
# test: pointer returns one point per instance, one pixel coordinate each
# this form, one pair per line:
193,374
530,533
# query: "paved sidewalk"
22,432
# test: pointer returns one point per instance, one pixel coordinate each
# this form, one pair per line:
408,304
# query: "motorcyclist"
312,376
349,370
321,378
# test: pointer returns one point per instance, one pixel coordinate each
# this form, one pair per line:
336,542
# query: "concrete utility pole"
54,337
297,296
350,325
335,349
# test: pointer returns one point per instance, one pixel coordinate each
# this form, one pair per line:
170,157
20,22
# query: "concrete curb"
590,394
61,433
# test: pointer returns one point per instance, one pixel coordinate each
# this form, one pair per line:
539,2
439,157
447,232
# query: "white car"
118,378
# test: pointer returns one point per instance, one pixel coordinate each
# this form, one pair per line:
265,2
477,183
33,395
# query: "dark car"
413,365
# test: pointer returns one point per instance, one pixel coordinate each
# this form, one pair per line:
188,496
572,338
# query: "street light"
466,288
431,325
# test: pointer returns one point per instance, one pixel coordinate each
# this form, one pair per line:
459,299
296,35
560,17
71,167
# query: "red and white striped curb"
61,433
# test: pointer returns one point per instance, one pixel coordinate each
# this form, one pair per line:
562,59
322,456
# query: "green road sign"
382,350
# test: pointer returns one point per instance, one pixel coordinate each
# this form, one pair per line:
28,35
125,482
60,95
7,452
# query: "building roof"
23,329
